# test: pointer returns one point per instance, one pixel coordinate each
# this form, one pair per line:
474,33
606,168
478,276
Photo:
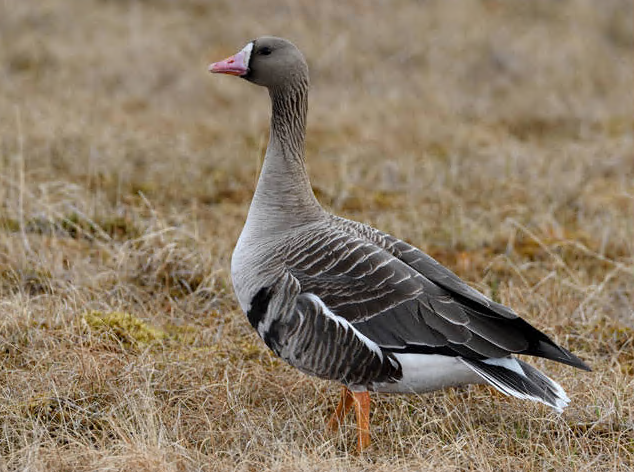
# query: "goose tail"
518,379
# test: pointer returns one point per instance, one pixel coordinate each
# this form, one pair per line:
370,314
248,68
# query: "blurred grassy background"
496,135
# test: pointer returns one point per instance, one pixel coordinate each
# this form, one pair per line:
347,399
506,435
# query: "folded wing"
405,301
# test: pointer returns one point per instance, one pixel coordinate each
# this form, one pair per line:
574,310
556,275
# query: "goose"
343,301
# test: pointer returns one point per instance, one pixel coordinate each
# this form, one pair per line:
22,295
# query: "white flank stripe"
346,325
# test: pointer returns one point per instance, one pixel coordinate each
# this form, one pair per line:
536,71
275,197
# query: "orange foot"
361,402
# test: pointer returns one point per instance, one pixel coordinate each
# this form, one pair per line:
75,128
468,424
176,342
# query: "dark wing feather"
424,265
405,301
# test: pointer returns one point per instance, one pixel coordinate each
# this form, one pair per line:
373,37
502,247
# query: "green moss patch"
125,327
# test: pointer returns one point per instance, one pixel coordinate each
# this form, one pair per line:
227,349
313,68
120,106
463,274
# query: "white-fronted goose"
346,302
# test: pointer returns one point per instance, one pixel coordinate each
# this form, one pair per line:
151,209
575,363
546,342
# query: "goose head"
267,61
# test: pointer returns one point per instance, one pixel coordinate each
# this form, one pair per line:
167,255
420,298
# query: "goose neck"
284,196
288,119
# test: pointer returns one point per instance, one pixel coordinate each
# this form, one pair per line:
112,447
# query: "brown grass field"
495,135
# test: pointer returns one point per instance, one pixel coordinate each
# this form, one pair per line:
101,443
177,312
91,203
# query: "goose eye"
265,51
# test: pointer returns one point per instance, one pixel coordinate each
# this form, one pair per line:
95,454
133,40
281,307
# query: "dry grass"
497,135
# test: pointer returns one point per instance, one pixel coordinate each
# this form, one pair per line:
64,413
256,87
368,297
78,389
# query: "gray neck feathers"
284,197
288,119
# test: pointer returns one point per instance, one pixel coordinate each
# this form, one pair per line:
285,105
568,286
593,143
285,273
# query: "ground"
495,135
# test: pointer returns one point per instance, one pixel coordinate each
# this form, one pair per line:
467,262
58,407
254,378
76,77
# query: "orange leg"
361,402
345,403
362,409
